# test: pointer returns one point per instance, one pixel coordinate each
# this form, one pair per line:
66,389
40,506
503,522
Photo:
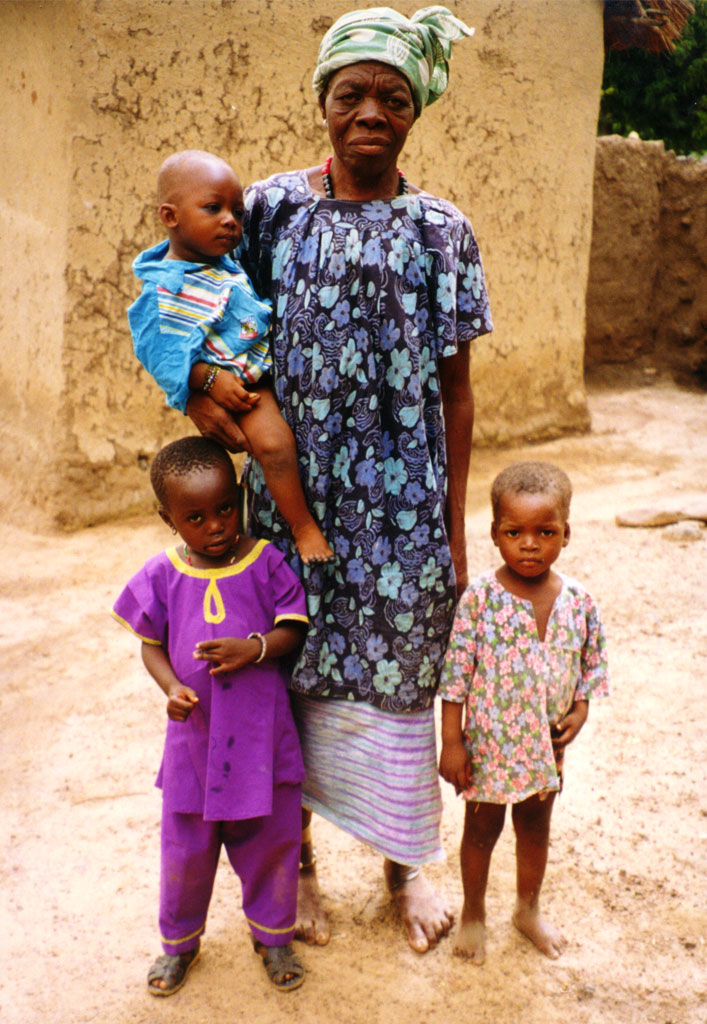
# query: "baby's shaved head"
178,171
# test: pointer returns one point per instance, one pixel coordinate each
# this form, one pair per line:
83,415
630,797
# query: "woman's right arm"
213,421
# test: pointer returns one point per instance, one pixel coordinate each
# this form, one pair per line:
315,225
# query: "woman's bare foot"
312,922
470,941
311,544
423,912
532,924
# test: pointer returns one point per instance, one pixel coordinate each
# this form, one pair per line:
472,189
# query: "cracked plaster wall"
646,295
120,85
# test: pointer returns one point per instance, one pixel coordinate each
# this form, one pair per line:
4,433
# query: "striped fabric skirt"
374,774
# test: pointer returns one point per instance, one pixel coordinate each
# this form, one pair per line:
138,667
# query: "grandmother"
377,291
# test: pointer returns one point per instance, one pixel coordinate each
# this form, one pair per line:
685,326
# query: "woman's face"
369,111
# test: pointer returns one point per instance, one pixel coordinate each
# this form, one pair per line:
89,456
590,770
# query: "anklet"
408,875
306,865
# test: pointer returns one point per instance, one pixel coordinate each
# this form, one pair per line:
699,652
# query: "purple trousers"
264,853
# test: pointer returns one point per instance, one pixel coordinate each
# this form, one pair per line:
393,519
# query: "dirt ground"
81,739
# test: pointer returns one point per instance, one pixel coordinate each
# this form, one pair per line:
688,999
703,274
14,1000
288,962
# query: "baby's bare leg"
273,445
531,820
483,824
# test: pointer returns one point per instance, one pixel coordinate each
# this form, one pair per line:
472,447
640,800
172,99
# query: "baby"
199,315
526,653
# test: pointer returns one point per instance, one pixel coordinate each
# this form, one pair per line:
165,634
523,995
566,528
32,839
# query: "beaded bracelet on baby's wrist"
263,645
209,378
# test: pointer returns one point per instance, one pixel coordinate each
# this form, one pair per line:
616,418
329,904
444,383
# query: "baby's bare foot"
470,941
423,912
311,544
312,922
546,937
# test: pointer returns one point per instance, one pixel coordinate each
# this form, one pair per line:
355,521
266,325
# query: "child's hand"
565,730
228,392
180,702
455,766
227,654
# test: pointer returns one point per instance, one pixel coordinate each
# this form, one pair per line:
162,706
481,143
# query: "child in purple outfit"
526,653
216,615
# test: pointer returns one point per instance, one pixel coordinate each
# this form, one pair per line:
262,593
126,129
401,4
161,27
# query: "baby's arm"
180,698
454,763
226,390
567,728
228,654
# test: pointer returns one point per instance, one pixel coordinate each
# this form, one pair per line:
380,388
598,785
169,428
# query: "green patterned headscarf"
418,47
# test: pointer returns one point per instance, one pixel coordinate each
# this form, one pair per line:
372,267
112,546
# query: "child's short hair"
532,478
183,457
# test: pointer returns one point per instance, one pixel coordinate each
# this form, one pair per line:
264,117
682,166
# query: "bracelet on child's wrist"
210,378
263,645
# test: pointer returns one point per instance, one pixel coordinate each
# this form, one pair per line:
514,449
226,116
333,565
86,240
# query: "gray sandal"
279,962
172,968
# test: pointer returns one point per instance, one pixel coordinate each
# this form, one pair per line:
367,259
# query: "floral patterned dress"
515,686
367,297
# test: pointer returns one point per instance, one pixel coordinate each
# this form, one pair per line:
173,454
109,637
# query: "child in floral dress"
526,653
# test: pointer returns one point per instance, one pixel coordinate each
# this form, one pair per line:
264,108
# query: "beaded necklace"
329,187
188,553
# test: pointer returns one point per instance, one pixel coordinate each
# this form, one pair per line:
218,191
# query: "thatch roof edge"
653,25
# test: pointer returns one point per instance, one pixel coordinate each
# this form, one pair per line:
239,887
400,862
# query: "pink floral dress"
516,686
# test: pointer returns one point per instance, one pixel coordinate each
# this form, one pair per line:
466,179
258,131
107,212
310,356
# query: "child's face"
530,531
205,221
203,508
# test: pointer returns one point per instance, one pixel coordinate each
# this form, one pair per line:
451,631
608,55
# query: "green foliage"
660,96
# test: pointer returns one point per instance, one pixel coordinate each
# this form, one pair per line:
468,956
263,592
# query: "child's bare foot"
423,912
470,941
546,937
311,544
312,922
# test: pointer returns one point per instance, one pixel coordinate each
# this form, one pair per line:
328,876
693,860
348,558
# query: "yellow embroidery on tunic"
214,610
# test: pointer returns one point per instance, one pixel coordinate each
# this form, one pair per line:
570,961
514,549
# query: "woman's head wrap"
418,47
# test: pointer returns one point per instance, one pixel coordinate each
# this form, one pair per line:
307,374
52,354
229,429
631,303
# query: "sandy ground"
81,738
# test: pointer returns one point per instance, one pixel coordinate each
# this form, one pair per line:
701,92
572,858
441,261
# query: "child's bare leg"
273,445
312,923
531,820
483,824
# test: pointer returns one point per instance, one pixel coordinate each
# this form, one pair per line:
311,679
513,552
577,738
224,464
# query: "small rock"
688,531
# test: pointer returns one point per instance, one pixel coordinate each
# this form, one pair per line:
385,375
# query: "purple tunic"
240,740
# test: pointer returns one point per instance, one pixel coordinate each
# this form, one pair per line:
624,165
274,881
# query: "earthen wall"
647,290
101,92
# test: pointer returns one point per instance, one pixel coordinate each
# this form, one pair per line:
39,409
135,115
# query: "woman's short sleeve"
455,277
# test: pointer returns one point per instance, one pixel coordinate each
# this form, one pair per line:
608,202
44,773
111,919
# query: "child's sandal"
172,969
279,962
